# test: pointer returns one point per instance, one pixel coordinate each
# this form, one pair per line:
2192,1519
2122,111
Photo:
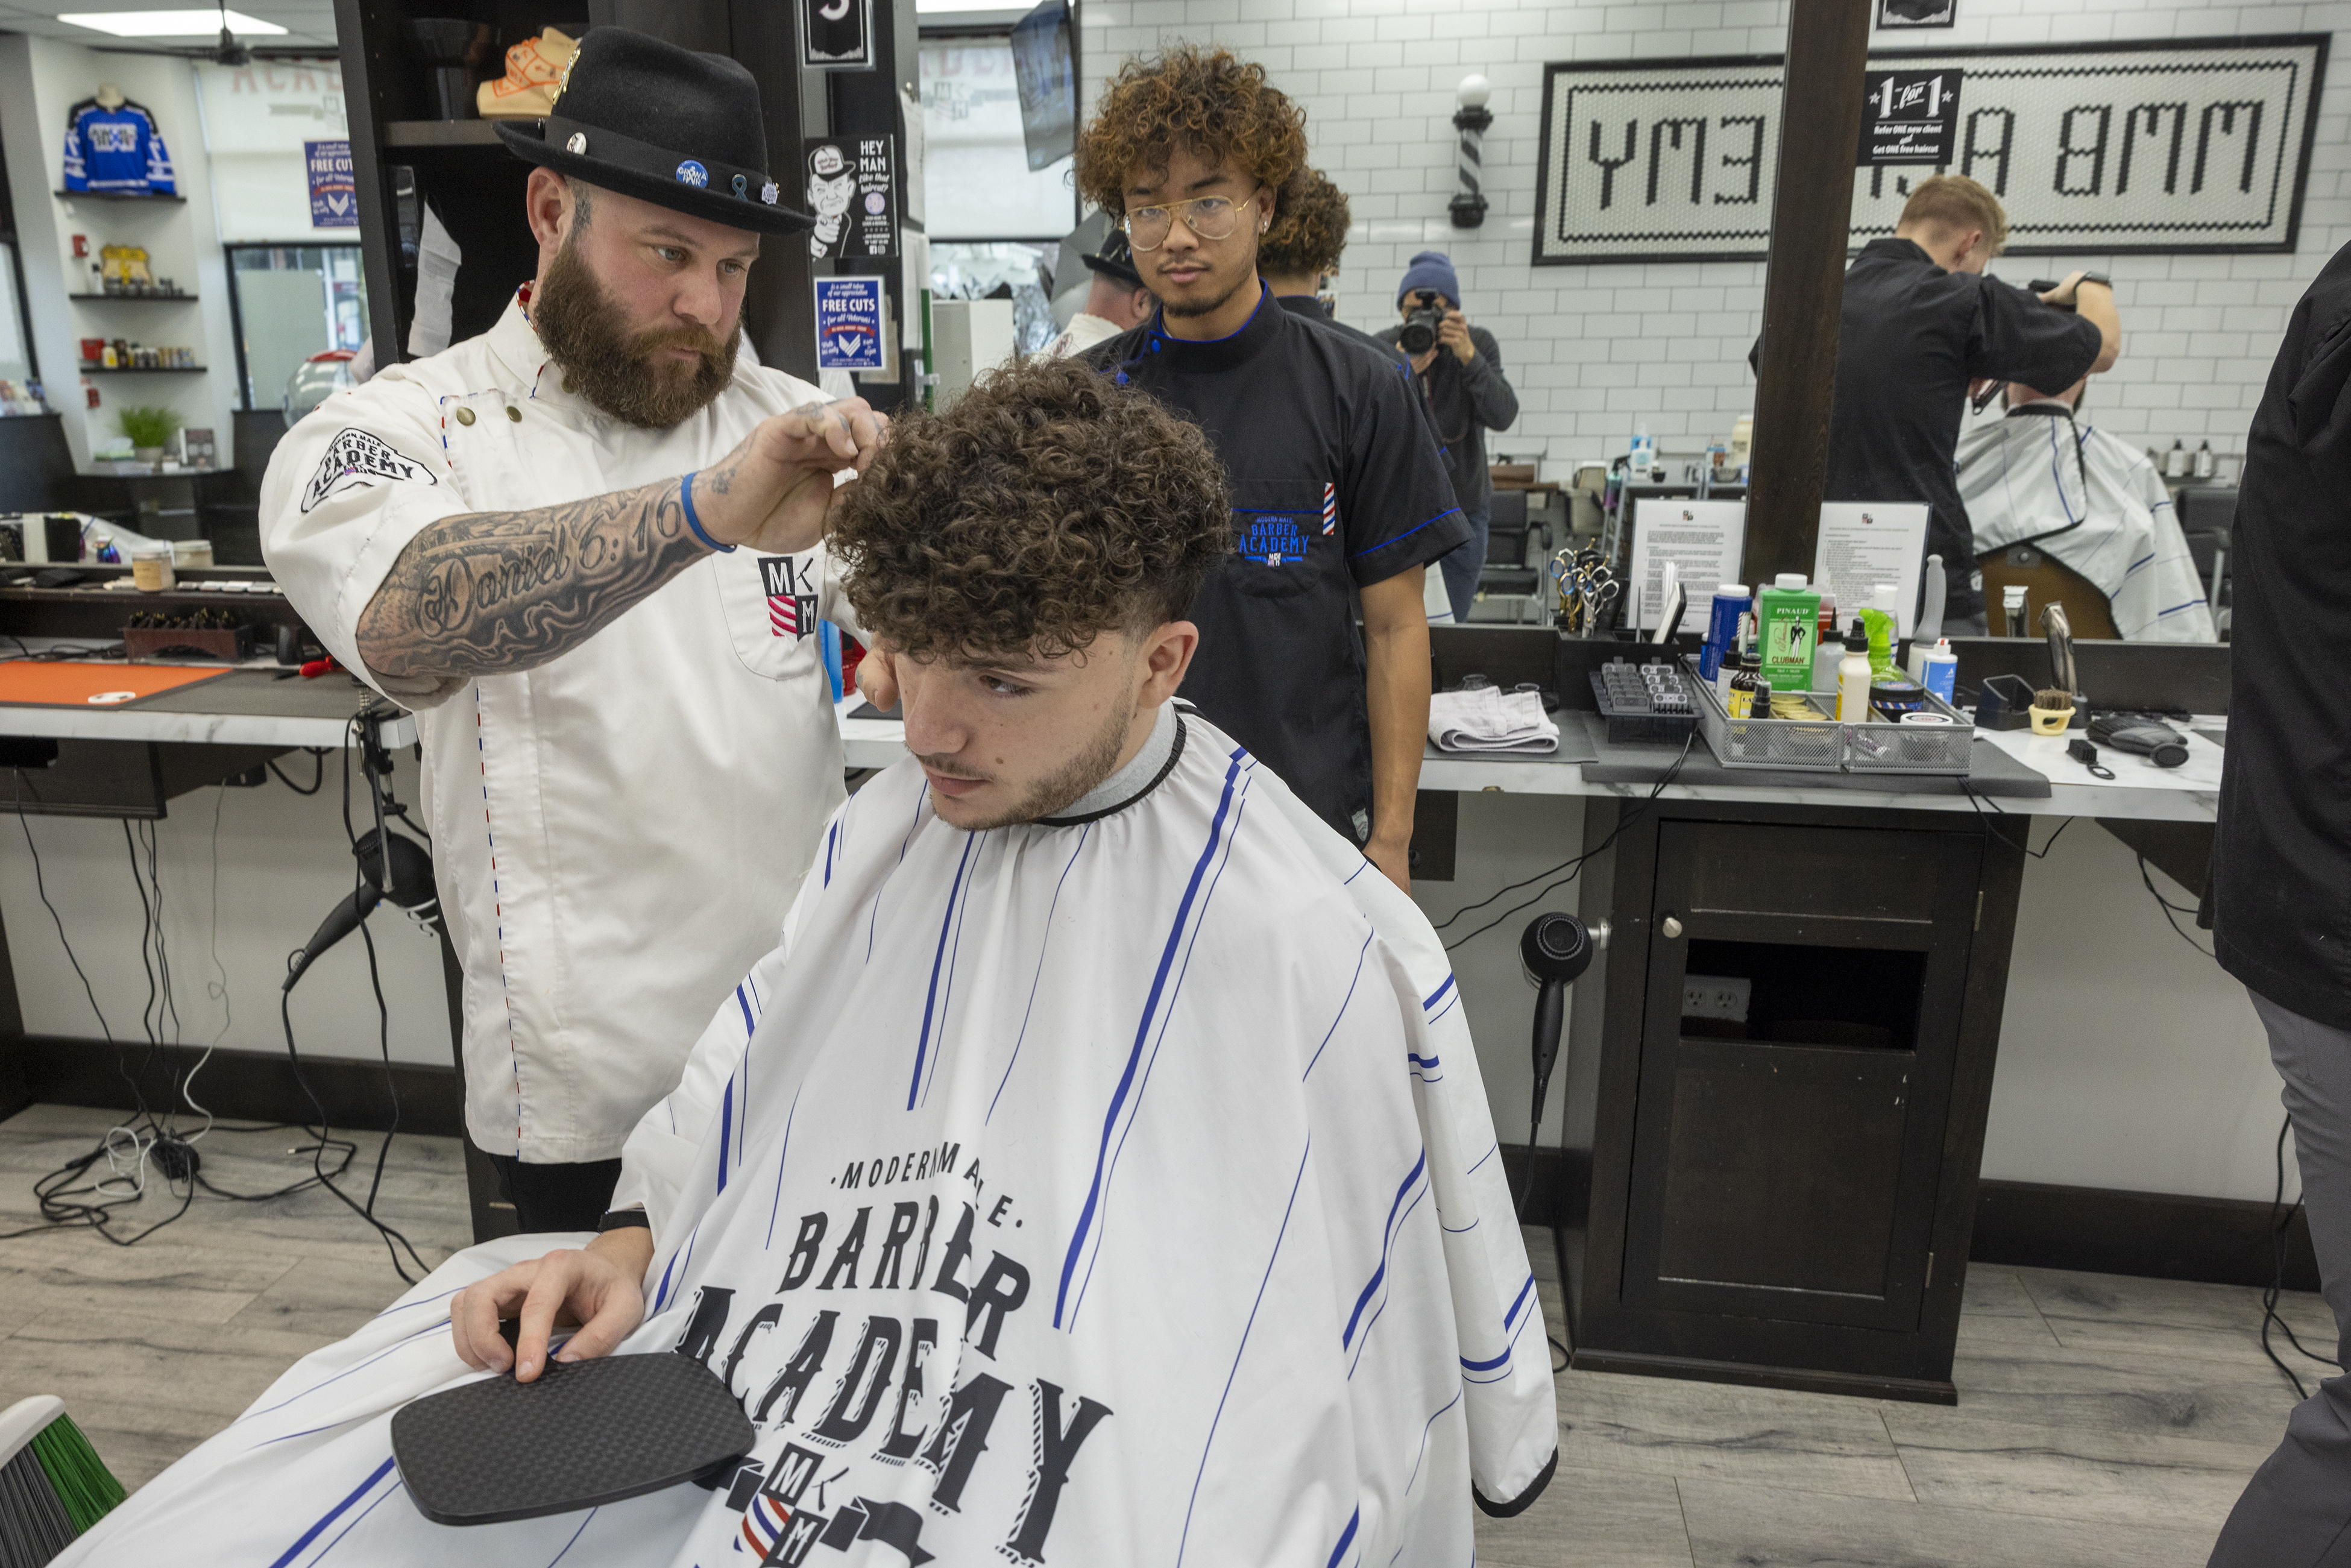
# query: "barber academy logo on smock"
859,1396
356,458
1276,538
791,594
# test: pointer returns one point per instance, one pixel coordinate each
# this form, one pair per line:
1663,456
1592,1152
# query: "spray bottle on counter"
1880,623
1940,670
1930,629
1853,676
1723,620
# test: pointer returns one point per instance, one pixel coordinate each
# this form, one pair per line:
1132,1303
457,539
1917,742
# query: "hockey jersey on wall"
116,150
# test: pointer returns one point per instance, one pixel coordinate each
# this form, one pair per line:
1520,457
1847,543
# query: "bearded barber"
585,547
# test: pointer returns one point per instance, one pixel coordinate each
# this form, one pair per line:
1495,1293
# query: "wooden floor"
2102,1420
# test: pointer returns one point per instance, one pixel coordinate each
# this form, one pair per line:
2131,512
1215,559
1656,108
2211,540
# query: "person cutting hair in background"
1921,327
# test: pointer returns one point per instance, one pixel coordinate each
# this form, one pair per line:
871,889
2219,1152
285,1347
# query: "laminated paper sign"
848,323
334,195
1908,117
851,191
1864,543
1702,539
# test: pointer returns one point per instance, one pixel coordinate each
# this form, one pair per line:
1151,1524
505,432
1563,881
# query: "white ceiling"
312,22
306,22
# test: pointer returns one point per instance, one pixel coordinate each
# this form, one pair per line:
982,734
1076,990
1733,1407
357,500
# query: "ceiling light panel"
172,24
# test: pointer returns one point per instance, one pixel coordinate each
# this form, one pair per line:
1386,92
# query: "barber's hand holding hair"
2096,305
877,677
2063,294
600,1287
772,492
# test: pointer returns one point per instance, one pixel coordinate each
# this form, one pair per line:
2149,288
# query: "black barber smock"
1913,336
1336,483
2281,850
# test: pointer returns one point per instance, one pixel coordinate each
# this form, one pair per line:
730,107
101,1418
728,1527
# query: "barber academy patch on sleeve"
354,459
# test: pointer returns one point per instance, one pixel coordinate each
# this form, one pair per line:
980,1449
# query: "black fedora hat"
1115,258
666,125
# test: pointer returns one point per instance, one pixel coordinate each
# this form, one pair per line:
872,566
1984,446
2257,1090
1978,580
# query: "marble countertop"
184,728
2139,789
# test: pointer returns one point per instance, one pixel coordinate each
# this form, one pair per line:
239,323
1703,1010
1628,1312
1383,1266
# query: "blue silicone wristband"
686,495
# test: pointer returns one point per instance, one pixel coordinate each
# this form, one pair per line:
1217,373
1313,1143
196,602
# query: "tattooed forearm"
497,592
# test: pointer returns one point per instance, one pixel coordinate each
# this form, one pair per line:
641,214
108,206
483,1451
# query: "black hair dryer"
1556,949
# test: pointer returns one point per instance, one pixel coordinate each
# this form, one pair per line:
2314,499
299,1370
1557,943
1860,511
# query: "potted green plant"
150,430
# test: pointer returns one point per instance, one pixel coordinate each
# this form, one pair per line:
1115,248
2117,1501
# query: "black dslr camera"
1420,327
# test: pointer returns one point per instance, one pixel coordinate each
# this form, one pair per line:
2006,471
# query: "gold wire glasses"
1210,217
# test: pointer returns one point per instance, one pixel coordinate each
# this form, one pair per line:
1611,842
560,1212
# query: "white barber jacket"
1083,333
617,833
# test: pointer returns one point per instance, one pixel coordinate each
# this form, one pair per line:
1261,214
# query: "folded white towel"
1490,719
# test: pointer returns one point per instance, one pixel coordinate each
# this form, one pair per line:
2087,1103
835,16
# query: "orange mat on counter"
31,683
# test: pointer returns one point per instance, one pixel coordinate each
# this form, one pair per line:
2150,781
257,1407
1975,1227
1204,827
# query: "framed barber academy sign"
2186,145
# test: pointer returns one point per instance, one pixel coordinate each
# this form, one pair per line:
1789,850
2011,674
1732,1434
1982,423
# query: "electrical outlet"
1715,996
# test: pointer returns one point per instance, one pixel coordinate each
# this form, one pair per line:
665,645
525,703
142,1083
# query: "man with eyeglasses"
1339,492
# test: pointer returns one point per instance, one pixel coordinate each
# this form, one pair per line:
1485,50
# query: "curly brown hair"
1209,103
1310,231
1047,507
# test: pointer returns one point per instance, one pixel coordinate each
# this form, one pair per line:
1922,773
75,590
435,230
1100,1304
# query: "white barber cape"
2019,479
617,833
1118,1191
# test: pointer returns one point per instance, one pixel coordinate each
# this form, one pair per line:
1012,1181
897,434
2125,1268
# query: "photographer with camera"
1457,369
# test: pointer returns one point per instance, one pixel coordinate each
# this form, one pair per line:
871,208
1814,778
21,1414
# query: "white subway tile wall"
1592,349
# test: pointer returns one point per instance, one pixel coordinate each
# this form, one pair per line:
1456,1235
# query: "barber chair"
37,468
2206,517
1506,574
2046,580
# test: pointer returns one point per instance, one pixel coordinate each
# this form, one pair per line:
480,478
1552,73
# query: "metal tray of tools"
1824,746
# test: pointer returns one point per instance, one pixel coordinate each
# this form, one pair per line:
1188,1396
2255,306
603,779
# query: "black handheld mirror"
584,1434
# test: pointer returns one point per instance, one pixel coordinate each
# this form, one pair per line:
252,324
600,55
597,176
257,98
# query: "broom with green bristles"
53,1485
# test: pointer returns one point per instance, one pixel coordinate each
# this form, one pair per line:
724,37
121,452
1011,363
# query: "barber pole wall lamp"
1469,205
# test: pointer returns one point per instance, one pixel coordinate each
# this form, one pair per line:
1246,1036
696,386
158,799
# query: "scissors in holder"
1604,592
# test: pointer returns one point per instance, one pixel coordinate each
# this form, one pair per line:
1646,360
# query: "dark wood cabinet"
1795,1023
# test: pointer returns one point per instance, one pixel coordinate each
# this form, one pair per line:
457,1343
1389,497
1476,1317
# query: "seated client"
1098,1172
2093,502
